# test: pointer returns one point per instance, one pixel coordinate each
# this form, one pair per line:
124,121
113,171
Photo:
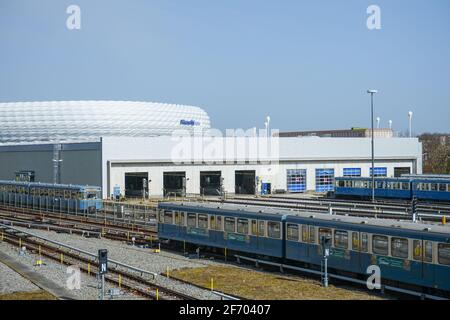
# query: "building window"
296,180
324,180
352,172
379,171
398,171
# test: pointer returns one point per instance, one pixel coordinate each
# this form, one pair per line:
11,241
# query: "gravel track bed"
138,257
57,273
11,281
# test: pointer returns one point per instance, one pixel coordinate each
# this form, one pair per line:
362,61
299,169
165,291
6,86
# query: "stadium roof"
60,121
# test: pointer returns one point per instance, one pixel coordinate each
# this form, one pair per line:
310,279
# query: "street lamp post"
372,92
410,123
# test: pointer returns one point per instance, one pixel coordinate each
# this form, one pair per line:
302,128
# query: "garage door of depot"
210,183
174,183
244,182
135,185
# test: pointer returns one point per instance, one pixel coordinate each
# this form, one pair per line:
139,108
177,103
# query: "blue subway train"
411,254
54,197
423,188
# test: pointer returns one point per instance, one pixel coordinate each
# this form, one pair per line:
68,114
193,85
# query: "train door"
423,253
355,251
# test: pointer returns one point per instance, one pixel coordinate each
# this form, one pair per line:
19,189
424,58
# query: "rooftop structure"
59,121
344,133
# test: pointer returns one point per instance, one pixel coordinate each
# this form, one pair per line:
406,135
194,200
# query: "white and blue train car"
357,187
431,189
407,187
409,253
47,196
224,226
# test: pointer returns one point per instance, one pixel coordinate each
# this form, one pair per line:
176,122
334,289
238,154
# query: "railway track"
131,278
378,210
78,225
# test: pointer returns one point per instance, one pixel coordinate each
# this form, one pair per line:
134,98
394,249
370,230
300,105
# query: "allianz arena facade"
58,121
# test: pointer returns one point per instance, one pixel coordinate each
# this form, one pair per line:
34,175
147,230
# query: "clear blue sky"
305,63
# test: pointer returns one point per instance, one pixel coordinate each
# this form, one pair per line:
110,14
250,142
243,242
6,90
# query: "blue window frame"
324,180
379,171
352,172
296,180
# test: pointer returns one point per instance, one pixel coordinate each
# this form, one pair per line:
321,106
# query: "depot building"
140,149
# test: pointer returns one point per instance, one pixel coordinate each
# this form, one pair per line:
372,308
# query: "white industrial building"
138,162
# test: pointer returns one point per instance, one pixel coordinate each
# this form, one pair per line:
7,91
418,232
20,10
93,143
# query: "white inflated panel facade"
51,121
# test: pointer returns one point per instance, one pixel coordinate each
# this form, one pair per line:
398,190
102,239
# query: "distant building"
345,133
127,148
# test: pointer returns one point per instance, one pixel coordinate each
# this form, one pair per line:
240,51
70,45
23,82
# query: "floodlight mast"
372,92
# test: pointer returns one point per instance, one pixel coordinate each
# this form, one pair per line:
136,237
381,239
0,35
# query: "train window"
161,216
448,187
417,249
192,220
292,232
442,187
405,185
434,186
395,185
230,224
219,225
358,184
399,247
261,228
379,184
168,217
254,228
212,222
380,244
203,221
324,232
444,253
419,254
312,234
341,183
273,229
355,241
425,187
242,226
305,233
179,218
341,239
388,185
428,256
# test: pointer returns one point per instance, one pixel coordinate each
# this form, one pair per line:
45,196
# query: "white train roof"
388,223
